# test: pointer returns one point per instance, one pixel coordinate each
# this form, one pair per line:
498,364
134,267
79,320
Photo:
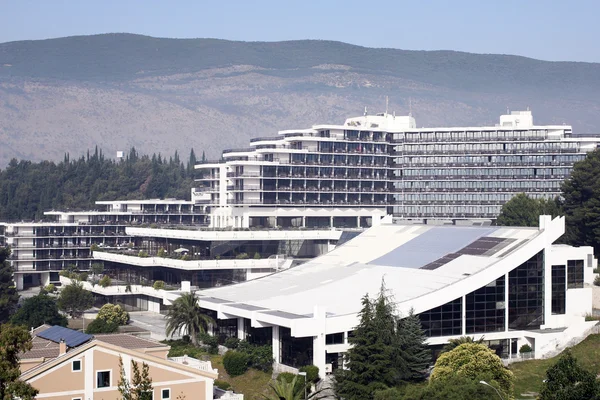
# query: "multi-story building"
352,174
40,249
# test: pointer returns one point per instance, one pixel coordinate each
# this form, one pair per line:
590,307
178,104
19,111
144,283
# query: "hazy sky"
544,29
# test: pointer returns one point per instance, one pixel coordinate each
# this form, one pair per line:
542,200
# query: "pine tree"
140,387
413,353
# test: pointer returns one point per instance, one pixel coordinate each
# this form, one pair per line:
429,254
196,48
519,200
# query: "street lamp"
304,375
487,384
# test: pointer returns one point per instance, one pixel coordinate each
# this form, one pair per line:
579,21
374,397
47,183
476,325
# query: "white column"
464,315
45,278
358,221
319,353
241,334
276,345
19,281
506,302
90,374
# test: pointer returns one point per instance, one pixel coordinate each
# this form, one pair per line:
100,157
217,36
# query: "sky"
554,30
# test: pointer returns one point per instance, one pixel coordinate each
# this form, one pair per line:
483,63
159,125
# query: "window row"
533,172
535,147
472,135
516,185
495,159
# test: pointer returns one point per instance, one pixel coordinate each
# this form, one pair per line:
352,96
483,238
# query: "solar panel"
484,246
72,338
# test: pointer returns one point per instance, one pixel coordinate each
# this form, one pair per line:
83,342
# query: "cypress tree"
412,353
8,292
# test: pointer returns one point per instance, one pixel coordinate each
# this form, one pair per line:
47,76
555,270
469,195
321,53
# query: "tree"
454,343
13,340
140,387
581,202
476,362
413,355
97,268
523,210
38,310
370,364
113,313
74,299
568,380
9,298
458,388
282,389
186,315
100,325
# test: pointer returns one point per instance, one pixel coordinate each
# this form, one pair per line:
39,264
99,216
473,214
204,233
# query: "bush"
289,377
162,252
158,285
210,341
105,281
94,247
242,256
142,254
525,349
223,385
312,373
596,270
101,326
50,288
235,363
260,357
597,280
232,343
83,276
186,257
256,256
113,313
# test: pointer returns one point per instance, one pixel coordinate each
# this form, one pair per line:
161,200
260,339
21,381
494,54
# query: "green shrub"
142,254
94,247
210,341
590,317
223,385
113,313
83,276
232,343
289,377
50,288
101,326
597,280
312,373
242,256
595,270
525,349
260,357
186,257
256,256
105,281
235,363
158,285
162,252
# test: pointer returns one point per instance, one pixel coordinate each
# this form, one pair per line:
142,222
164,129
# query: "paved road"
153,322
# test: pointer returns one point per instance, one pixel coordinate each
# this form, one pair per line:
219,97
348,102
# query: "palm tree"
186,315
284,390
454,343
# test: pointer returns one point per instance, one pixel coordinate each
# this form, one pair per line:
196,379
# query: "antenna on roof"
410,106
507,110
365,111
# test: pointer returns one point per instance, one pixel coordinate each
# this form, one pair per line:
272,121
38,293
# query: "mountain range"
159,95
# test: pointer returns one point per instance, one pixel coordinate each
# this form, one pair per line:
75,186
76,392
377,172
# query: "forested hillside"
118,91
27,189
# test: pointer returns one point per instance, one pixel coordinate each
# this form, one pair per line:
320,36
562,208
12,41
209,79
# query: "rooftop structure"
353,174
509,285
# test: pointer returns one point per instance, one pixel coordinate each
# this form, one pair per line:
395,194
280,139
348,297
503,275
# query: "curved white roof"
415,260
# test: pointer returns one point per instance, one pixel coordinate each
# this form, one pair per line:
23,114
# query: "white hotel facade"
352,174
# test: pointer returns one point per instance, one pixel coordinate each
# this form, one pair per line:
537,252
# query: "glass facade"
526,294
575,274
486,308
295,352
559,289
445,320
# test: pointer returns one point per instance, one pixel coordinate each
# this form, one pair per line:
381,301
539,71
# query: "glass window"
486,308
575,274
103,379
76,365
165,394
558,289
334,338
445,320
526,294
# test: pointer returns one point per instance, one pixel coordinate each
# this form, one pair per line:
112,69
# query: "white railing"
229,395
194,363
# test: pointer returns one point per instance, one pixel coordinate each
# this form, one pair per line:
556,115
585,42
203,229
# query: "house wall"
60,382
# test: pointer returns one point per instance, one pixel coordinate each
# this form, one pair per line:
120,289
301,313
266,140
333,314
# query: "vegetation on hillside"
27,189
8,291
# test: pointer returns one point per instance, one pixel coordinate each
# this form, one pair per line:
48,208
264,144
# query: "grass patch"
530,374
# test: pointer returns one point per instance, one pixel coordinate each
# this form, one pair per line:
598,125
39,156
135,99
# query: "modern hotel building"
352,174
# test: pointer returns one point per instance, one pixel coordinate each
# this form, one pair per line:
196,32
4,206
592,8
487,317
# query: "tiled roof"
128,341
